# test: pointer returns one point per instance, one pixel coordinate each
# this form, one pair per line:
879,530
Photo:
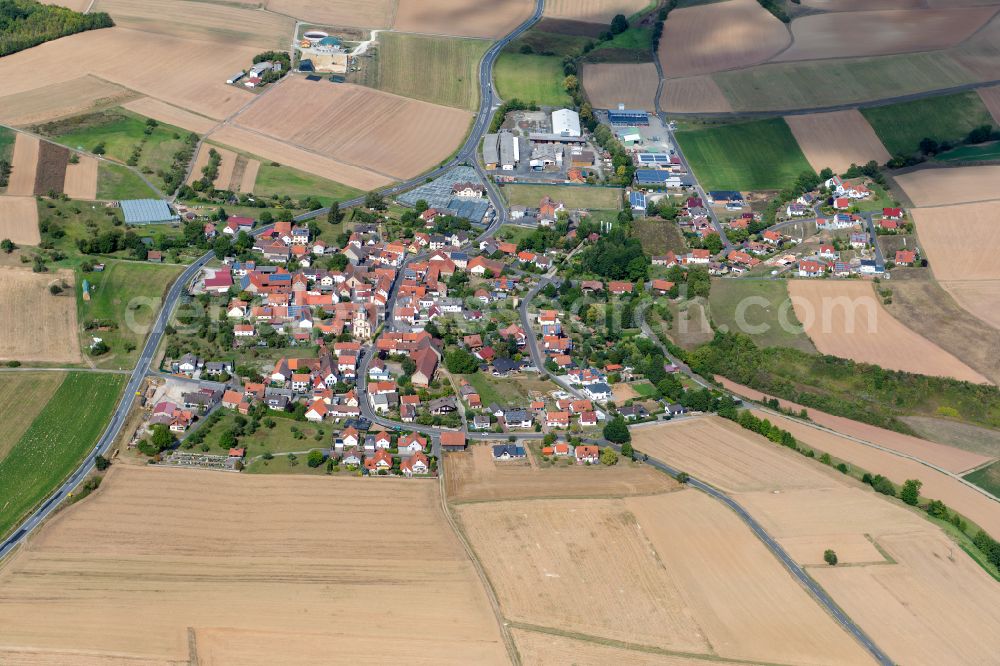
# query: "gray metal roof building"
509,151
147,211
491,149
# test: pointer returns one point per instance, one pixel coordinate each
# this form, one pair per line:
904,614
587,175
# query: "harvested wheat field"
349,13
720,36
81,178
935,453
547,563
275,150
37,326
75,5
462,18
170,114
223,181
19,220
875,33
744,600
215,22
961,242
60,100
260,589
611,84
722,453
155,65
24,165
935,607
980,298
845,318
991,98
592,11
965,499
384,133
837,139
941,187
861,5
543,649
473,476
697,94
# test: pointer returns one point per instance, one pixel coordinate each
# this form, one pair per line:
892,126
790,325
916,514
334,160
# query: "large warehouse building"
147,211
566,123
623,116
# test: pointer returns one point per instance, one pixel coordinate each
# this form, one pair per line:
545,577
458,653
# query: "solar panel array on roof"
147,211
654,159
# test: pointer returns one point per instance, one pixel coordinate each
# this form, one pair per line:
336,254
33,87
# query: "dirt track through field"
24,166
81,178
875,33
19,220
940,187
34,324
370,129
845,318
837,139
715,37
462,18
296,571
611,84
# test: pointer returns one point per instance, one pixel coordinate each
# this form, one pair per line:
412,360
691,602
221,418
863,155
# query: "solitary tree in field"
830,557
619,24
609,456
7,245
334,216
910,493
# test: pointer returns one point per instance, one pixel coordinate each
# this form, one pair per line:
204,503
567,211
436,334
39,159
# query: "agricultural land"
531,78
37,324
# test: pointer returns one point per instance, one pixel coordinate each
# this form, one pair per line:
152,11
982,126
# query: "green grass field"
757,155
760,304
55,442
983,151
549,43
806,85
278,439
121,131
129,294
299,185
658,236
633,45
987,478
532,78
6,143
948,118
116,182
593,198
442,70
645,389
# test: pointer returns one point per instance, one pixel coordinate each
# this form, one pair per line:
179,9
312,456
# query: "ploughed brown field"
718,36
611,84
846,318
157,65
874,33
248,570
462,18
916,593
697,94
351,13
473,476
592,11
51,170
34,324
81,178
837,139
688,576
171,115
388,135
60,100
939,187
19,220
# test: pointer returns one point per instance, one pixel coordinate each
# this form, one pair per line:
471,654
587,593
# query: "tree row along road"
467,153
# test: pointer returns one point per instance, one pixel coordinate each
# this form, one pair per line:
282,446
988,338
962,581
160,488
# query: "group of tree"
5,170
113,240
616,256
27,23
